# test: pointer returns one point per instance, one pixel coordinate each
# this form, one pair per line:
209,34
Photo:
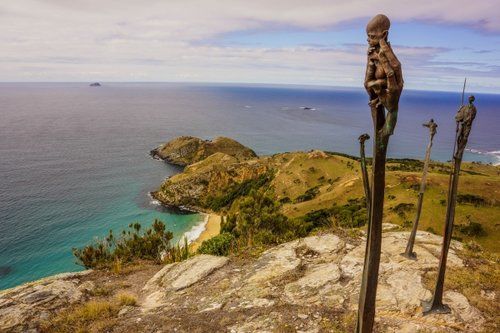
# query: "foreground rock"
187,150
36,301
307,285
303,285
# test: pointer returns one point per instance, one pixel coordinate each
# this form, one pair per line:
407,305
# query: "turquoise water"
74,160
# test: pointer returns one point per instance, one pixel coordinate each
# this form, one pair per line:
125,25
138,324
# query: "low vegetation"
471,229
256,219
308,195
220,245
478,280
217,203
98,314
125,299
472,199
351,215
132,244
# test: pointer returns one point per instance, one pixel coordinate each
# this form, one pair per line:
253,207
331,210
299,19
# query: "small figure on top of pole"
464,119
384,84
411,241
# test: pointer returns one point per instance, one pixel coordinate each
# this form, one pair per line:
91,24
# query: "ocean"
74,159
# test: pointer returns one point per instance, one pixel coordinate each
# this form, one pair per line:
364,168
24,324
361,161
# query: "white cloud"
164,40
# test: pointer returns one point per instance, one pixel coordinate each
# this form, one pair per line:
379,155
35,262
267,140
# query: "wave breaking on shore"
195,232
494,155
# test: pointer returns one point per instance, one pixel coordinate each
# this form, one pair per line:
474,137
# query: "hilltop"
187,150
315,181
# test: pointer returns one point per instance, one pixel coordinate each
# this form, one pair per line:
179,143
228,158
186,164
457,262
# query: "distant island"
95,84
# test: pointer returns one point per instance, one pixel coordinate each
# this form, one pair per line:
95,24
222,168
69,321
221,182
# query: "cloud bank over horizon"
289,42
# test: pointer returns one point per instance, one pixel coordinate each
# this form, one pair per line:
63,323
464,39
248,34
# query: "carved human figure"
384,78
464,118
384,84
432,126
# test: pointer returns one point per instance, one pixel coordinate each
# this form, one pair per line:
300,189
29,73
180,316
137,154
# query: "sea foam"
195,231
495,155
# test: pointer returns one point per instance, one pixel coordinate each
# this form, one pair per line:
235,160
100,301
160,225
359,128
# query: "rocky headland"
308,284
187,150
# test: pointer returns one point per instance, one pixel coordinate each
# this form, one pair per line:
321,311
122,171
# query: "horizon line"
241,83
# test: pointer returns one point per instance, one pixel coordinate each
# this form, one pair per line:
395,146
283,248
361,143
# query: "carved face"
374,37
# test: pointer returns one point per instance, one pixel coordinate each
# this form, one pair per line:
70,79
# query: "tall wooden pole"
384,84
364,172
411,241
464,118
366,185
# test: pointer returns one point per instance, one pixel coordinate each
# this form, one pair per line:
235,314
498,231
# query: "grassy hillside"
338,180
306,182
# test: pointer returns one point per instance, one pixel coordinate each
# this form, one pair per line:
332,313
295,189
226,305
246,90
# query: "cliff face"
187,150
307,285
209,177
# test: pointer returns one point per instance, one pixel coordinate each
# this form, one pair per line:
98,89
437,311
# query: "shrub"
285,200
308,195
407,224
471,229
431,230
259,221
176,253
238,190
77,319
473,199
473,246
132,244
219,245
317,218
351,215
126,299
402,208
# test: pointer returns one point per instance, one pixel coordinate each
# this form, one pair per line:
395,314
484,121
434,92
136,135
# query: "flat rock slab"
178,276
317,272
33,301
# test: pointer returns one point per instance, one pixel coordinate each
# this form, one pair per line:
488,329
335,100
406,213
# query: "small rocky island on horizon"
302,274
95,84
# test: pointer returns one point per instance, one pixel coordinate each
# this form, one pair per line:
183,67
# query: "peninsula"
289,254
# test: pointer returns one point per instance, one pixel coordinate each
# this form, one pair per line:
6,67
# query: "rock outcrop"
36,301
187,150
208,178
306,285
303,285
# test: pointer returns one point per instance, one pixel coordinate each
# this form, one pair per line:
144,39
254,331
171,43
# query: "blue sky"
314,42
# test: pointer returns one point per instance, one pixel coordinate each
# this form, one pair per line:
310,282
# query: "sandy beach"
212,228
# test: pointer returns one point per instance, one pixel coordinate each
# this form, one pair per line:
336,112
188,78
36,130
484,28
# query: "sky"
306,42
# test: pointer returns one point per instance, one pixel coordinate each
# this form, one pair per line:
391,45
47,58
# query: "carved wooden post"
411,241
384,84
464,118
364,173
366,184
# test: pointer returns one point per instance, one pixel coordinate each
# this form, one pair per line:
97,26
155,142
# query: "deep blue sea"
74,159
